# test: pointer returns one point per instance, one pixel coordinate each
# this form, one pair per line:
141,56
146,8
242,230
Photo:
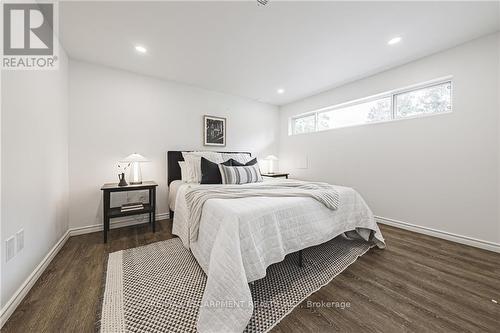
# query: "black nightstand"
276,175
112,212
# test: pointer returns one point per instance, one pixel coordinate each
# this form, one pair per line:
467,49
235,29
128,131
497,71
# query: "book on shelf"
130,209
132,206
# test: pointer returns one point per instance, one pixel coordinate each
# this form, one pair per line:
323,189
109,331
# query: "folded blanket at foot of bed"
197,196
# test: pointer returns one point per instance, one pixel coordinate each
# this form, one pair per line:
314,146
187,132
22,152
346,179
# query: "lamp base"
135,174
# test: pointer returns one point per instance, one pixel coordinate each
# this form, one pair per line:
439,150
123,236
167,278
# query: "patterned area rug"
159,287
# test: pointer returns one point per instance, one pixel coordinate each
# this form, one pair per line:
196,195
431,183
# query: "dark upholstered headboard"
173,167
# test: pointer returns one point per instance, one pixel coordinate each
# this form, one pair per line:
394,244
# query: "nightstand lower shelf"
116,211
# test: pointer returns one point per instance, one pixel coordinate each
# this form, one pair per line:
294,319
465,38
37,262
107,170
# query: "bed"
237,239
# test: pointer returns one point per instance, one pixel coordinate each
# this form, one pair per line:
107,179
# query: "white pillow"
184,171
193,162
238,157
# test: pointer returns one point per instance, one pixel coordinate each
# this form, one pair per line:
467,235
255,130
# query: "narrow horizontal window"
368,112
304,124
419,100
433,99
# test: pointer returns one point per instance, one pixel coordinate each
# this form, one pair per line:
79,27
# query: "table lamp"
271,163
135,161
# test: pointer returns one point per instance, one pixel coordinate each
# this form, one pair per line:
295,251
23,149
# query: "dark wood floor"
418,284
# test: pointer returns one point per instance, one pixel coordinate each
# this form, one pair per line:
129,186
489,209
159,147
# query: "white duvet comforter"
239,238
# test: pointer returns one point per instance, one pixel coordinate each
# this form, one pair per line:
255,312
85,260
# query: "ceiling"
247,50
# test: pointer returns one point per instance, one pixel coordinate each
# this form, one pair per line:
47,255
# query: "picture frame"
214,131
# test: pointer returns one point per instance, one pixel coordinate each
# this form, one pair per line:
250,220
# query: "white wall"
34,167
438,172
498,116
114,113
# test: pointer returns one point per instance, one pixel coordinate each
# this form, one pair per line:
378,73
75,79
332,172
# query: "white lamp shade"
134,158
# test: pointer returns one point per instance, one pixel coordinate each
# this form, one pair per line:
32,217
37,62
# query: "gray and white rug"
159,287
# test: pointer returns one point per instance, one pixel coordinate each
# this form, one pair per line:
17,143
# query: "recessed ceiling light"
140,49
280,91
395,40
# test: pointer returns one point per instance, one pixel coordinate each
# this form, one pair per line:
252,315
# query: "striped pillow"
240,174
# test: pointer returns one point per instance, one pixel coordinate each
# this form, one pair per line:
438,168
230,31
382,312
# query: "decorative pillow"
193,162
239,157
190,168
210,173
240,174
236,163
184,171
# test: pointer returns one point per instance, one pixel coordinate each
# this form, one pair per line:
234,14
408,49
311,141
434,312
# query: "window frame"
389,94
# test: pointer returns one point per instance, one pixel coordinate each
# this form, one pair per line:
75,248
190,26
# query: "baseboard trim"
23,290
485,245
125,222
